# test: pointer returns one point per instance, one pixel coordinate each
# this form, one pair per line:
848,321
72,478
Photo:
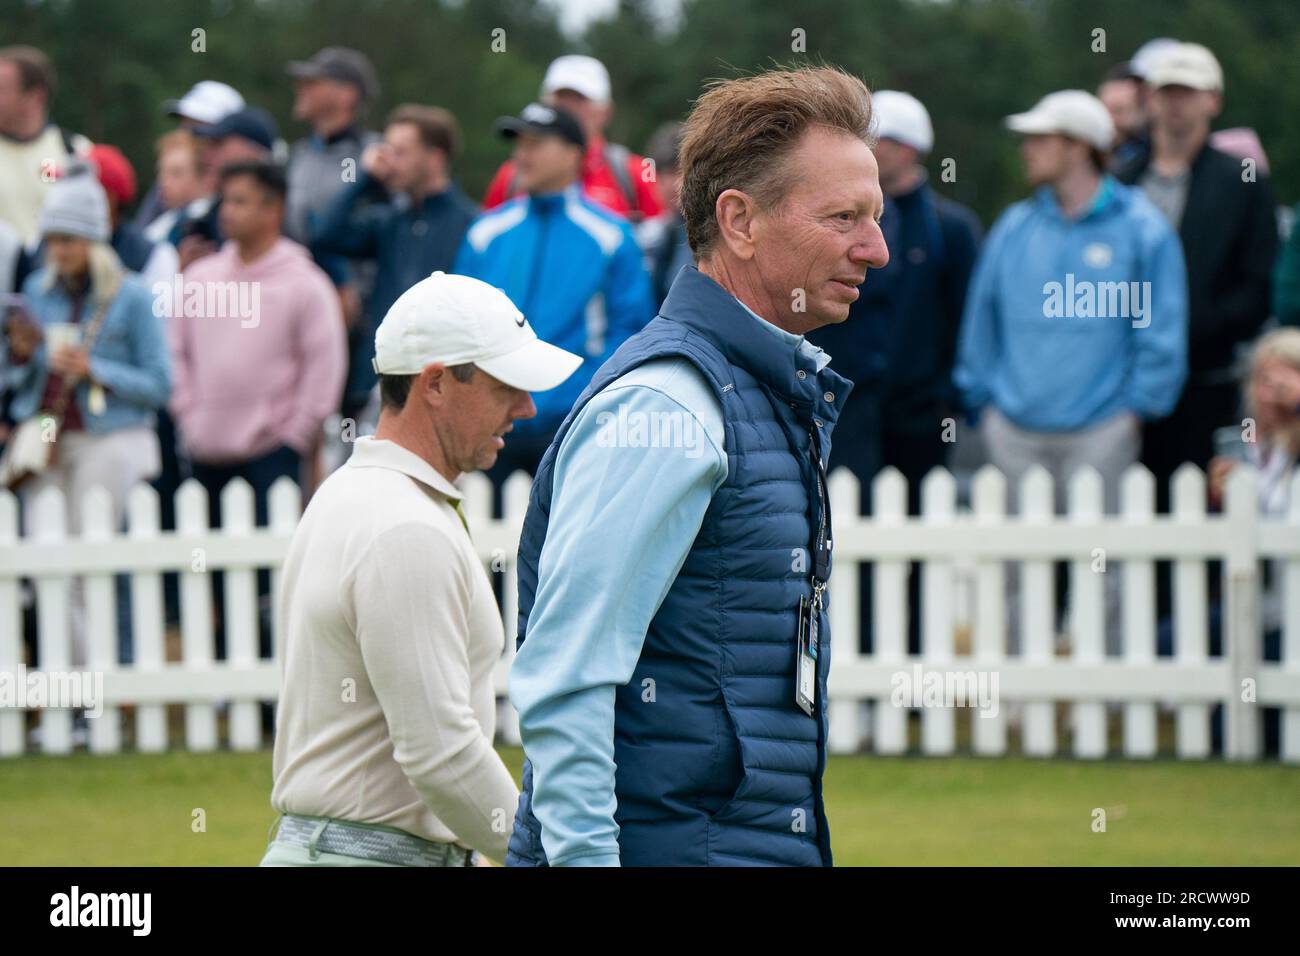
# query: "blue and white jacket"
574,269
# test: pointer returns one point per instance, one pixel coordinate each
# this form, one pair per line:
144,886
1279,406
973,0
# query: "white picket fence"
964,555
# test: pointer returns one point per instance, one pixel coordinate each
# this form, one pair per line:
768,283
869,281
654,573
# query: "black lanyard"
822,537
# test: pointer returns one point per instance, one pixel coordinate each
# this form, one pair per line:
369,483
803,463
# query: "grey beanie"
76,205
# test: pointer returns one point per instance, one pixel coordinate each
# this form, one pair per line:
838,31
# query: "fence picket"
198,649
1191,640
98,530
939,509
147,618
989,499
844,731
1243,734
12,721
241,614
1037,592
889,611
1290,583
1088,610
1138,497
54,624
515,505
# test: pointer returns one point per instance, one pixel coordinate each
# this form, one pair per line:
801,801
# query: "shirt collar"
351,131
371,452
797,342
1103,197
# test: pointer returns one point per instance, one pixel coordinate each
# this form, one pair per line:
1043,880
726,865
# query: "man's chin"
832,313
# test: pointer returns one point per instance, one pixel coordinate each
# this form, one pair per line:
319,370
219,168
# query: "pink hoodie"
259,352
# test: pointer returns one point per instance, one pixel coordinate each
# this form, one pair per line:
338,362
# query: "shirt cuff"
590,859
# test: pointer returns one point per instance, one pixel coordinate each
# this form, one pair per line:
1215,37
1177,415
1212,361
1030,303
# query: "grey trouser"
1110,447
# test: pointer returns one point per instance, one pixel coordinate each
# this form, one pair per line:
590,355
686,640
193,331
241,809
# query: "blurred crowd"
1142,304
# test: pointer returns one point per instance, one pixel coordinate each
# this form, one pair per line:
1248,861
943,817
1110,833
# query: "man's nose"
524,408
872,251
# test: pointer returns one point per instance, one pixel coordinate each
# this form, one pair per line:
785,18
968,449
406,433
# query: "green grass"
137,809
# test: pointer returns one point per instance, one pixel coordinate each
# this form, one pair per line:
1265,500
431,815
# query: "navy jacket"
724,769
408,243
1230,241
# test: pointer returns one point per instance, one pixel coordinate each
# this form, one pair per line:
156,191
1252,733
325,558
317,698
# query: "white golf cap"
582,74
455,320
901,117
1186,64
1147,54
207,101
1073,113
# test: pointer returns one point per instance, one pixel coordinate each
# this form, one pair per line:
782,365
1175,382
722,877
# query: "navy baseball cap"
542,121
252,123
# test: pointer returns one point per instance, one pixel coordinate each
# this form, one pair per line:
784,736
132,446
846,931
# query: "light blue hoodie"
1069,322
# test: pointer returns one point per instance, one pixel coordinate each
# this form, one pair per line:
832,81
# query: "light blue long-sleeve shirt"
1028,344
623,518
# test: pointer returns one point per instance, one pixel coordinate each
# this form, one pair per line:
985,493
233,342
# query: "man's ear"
431,384
734,211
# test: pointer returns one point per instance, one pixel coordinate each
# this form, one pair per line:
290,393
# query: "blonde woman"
1272,401
1271,396
92,353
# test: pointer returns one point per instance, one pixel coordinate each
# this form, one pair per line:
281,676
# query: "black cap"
342,64
1122,71
544,121
252,123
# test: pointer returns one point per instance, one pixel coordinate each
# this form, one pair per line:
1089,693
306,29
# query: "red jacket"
599,182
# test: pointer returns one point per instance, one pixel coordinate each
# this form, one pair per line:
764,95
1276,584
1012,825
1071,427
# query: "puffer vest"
716,763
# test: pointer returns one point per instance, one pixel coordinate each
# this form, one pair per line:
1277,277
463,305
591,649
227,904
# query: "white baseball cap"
900,116
207,101
1186,64
1074,113
1147,54
454,320
582,74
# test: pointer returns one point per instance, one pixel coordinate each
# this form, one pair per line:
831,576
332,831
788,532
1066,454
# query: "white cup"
59,334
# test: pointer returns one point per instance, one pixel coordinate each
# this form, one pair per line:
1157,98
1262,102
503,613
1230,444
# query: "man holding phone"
404,212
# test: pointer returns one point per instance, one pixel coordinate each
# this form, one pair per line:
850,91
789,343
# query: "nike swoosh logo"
520,321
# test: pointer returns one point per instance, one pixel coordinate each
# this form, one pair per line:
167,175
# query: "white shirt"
392,632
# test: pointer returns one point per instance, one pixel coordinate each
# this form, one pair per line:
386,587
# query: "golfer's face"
486,410
815,249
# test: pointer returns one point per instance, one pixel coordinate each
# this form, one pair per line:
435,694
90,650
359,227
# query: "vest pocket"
729,768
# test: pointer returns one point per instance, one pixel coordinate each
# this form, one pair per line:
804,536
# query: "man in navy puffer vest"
673,633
